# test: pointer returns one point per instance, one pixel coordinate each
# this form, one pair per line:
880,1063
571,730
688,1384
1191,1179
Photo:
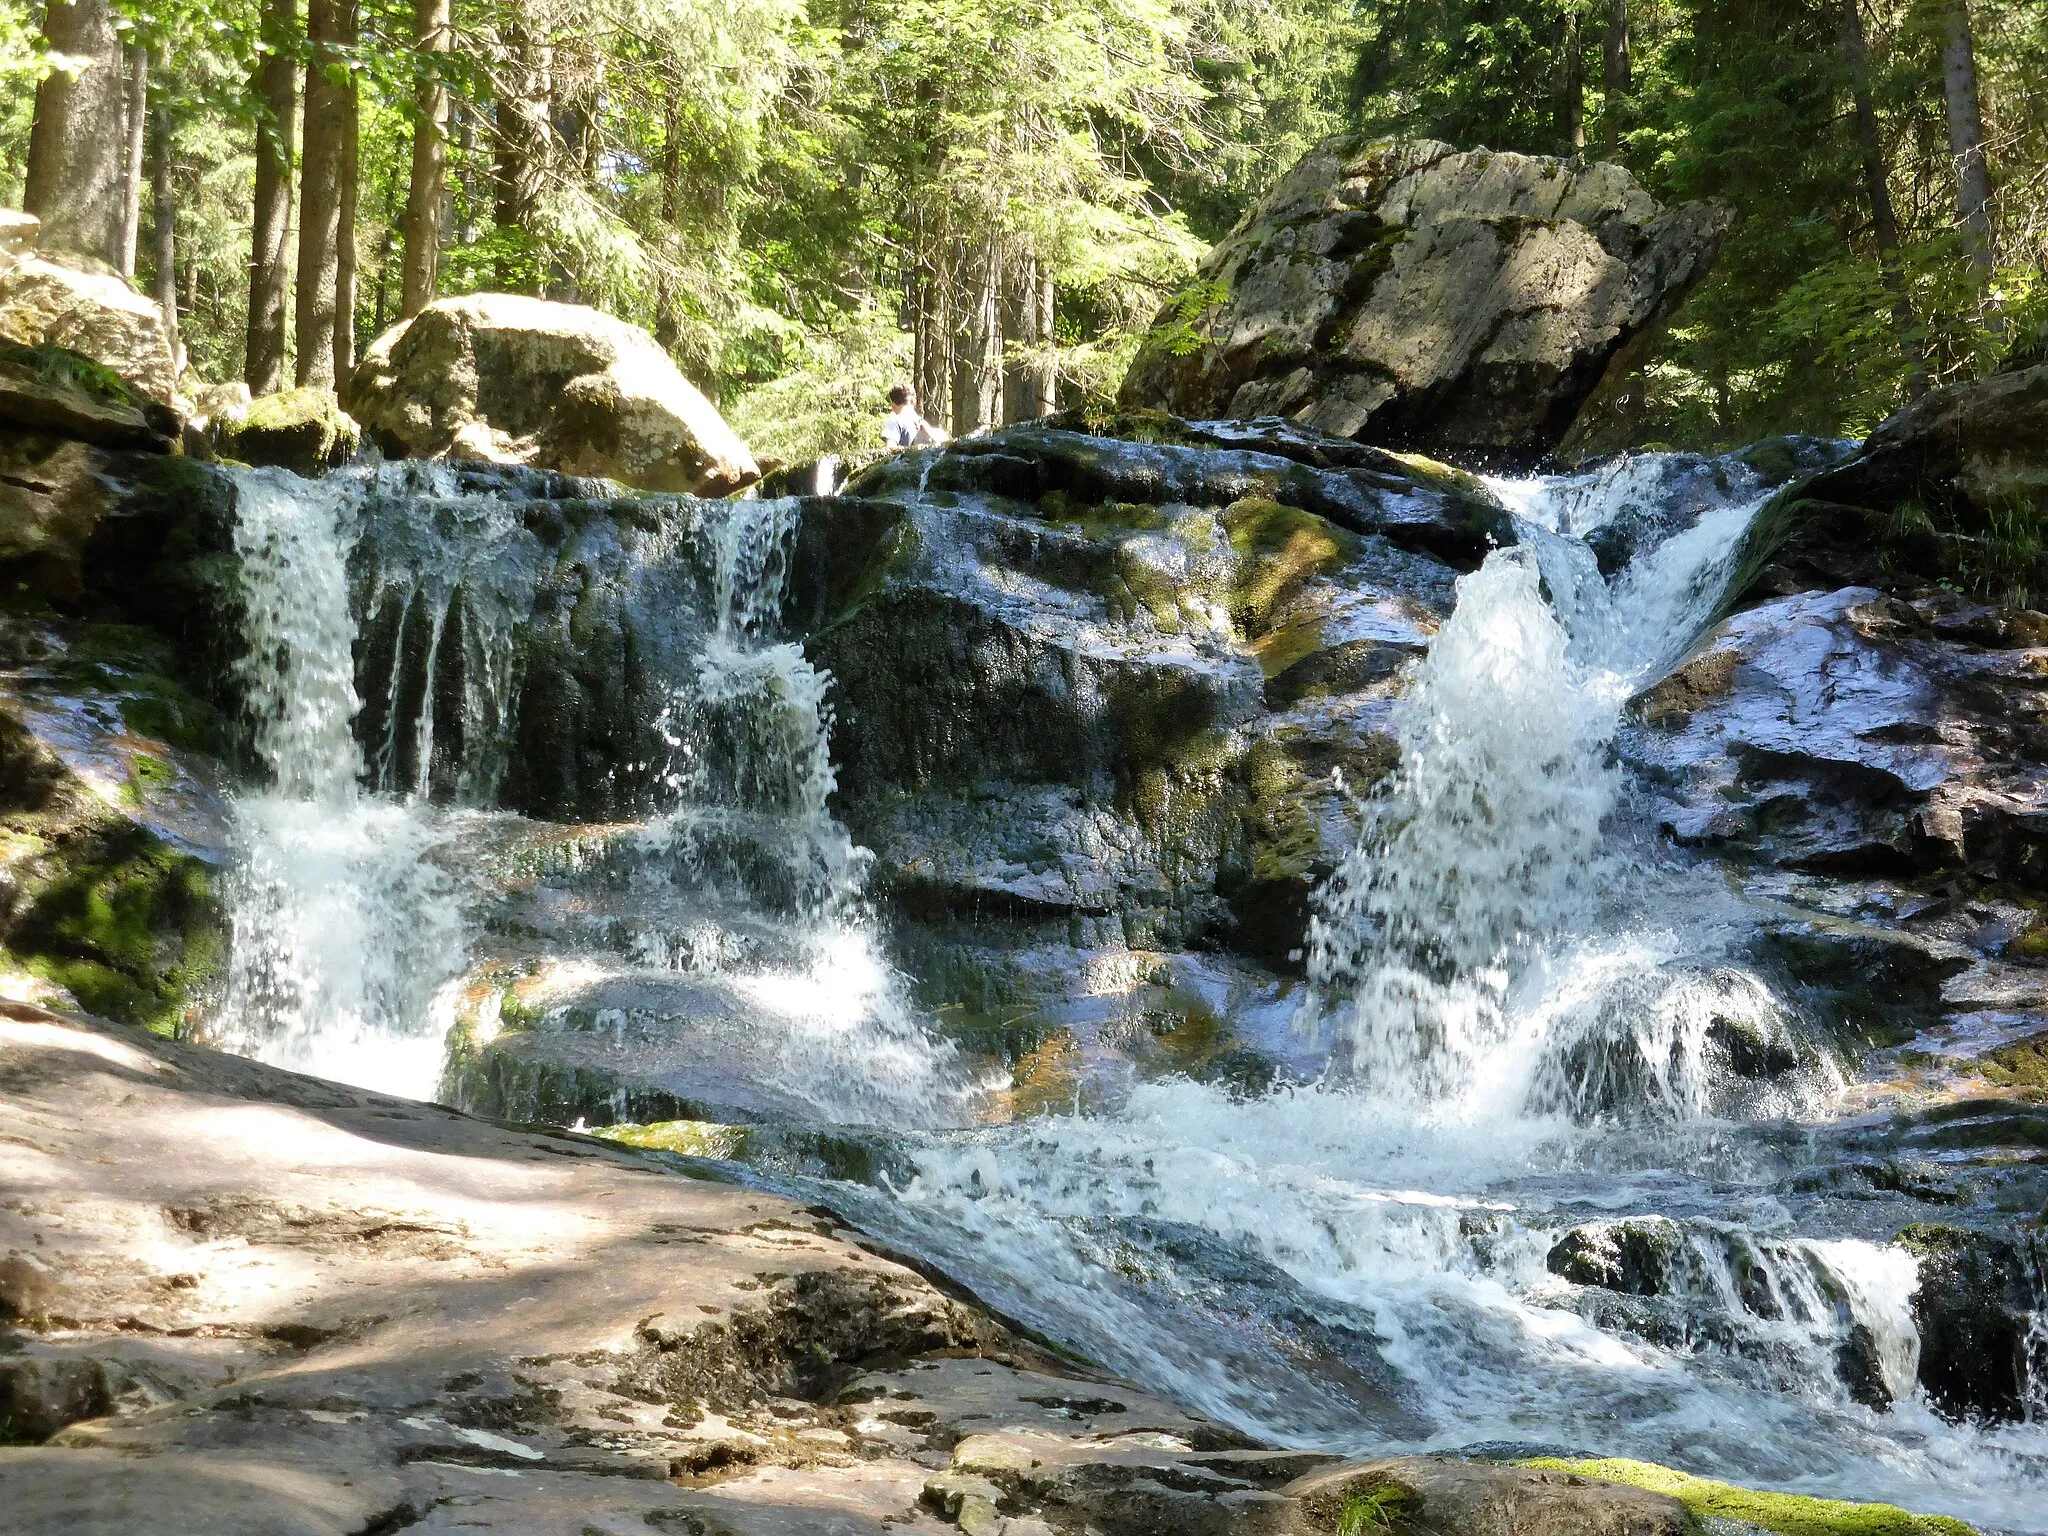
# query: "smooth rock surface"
514,380
255,1302
1406,293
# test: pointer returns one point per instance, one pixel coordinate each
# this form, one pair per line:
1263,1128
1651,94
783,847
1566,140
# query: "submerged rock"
1419,296
514,380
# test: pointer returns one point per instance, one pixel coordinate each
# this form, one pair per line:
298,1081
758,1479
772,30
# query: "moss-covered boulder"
1407,293
303,430
1446,1496
1715,1505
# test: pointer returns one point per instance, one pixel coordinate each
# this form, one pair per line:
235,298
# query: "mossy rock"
303,430
1785,1514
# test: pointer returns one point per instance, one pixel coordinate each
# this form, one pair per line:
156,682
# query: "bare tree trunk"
1048,338
1574,85
346,196
667,323
523,129
270,226
1884,222
1023,364
932,369
1617,76
164,218
1966,139
131,176
978,347
320,150
431,27
73,182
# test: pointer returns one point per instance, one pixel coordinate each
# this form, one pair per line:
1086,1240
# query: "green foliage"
1174,331
1375,1511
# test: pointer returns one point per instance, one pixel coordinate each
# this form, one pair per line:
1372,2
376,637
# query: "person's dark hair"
899,394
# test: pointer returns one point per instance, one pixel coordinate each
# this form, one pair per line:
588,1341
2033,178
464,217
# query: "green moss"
127,925
1786,1514
1372,1511
690,1138
2023,1064
68,369
1278,548
145,773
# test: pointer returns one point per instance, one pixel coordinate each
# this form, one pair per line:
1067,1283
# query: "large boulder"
1410,294
47,303
514,380
303,430
1947,492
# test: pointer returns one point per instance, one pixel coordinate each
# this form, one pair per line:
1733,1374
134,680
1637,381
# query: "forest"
805,200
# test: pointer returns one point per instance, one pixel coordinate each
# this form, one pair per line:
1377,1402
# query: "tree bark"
1048,338
73,181
1617,75
320,152
1966,139
1884,222
978,347
270,228
431,29
131,173
1574,85
1025,338
345,200
523,128
667,322
164,218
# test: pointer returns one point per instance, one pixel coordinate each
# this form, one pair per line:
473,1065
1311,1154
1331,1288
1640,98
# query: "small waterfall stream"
1529,1005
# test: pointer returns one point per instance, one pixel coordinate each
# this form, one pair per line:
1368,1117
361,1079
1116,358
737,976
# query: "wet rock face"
1976,1305
1847,732
1403,291
1085,677
514,380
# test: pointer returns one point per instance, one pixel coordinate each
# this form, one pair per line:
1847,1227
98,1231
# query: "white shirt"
905,428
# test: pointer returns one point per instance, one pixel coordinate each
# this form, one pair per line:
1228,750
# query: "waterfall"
342,928
1449,950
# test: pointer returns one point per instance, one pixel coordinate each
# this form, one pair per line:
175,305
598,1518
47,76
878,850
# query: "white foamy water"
342,929
1529,1008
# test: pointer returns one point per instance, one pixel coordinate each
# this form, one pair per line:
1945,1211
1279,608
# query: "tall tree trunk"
1574,85
431,27
131,173
73,183
345,201
164,222
164,216
522,150
320,152
1617,75
932,366
667,321
270,226
1048,338
1966,139
1026,338
978,346
1884,223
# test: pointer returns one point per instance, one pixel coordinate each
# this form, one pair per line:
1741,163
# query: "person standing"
903,427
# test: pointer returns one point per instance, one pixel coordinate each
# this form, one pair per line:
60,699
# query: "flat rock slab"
241,1300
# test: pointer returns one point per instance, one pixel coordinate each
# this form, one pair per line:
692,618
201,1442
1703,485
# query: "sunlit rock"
1407,293
515,380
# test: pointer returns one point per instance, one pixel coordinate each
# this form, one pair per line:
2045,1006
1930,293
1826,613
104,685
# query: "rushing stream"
1524,1005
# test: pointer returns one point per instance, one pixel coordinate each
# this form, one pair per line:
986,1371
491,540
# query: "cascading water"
1534,1017
343,928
